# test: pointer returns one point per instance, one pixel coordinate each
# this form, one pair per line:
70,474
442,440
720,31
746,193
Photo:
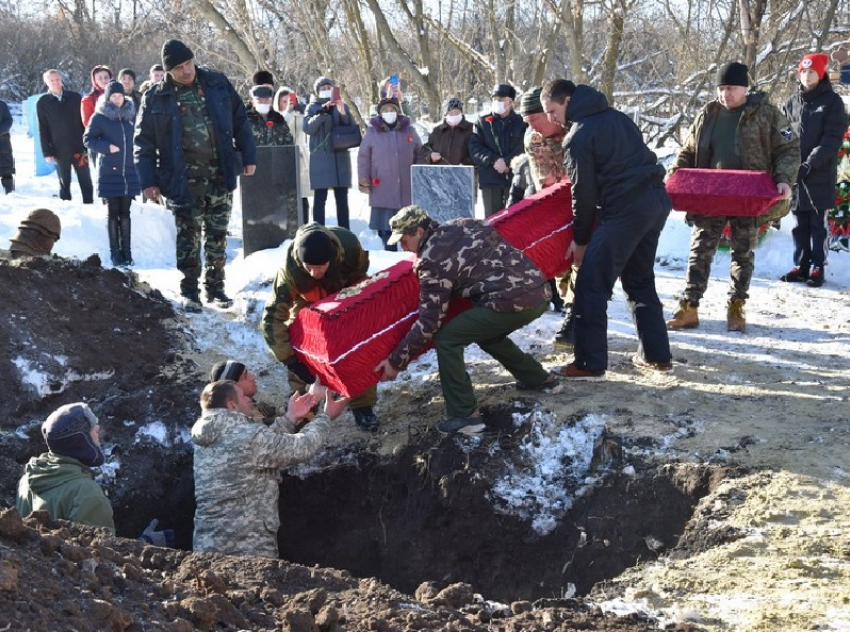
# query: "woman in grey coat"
390,147
329,169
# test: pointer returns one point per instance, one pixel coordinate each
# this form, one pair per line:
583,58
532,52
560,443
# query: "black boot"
557,301
567,334
8,183
114,243
126,252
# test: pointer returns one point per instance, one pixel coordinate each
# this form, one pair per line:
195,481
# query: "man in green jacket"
61,481
319,262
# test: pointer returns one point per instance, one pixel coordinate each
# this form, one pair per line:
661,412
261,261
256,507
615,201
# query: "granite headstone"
270,199
445,191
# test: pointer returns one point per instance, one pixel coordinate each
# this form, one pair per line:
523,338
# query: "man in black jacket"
816,114
617,183
187,133
496,140
60,130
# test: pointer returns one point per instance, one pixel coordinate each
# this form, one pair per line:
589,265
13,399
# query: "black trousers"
320,196
63,170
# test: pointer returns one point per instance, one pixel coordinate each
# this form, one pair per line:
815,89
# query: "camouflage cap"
406,219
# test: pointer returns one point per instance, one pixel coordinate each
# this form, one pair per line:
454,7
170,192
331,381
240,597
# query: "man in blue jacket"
618,185
188,132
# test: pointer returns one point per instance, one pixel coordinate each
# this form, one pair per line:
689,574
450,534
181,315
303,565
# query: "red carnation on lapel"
269,123
489,119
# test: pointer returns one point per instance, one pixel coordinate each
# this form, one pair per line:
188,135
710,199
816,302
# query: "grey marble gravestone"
446,192
270,199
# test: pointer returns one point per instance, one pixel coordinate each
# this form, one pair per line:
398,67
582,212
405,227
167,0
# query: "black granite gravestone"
270,199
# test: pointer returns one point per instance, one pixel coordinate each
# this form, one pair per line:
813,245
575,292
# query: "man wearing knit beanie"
318,262
739,130
178,158
816,113
60,481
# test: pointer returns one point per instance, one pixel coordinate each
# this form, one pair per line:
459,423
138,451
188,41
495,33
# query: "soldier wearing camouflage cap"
470,259
189,128
237,466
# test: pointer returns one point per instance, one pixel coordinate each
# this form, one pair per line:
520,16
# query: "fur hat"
733,74
503,90
174,53
814,61
391,101
263,78
227,370
67,432
454,104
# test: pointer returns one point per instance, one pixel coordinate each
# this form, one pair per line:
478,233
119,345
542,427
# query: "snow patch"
554,459
156,431
45,383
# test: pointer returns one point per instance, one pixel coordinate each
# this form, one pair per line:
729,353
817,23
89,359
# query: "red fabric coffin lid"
343,337
722,192
541,226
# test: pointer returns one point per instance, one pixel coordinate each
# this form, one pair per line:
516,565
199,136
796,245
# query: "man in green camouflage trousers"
237,464
468,258
189,128
740,130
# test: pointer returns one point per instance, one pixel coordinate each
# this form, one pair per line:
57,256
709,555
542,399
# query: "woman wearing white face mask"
268,126
448,143
390,146
329,169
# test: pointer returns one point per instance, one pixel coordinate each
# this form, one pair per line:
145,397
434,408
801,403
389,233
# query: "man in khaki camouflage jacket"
468,258
237,467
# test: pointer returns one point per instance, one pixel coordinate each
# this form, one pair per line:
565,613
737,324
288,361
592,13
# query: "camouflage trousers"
207,217
705,236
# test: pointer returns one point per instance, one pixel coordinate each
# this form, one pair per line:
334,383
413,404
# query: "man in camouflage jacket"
740,130
237,466
188,131
319,262
468,258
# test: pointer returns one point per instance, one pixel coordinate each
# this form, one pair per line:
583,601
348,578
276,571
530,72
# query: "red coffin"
343,337
722,192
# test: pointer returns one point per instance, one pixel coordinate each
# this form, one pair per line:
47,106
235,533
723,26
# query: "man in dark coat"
60,131
496,140
617,184
816,113
468,258
187,134
7,159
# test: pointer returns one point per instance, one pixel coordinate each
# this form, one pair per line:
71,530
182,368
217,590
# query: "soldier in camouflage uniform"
470,259
237,467
187,133
740,130
247,381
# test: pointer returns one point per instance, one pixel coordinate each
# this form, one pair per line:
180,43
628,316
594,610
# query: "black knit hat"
174,53
67,432
156,67
127,71
316,248
227,370
263,78
733,74
114,87
503,90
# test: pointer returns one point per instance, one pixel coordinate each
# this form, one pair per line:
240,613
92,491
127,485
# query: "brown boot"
735,319
685,318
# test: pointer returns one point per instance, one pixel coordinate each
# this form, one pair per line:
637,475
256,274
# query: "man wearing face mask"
268,126
390,147
60,481
496,140
448,143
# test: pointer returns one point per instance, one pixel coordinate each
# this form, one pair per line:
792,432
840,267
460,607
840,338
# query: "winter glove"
165,537
301,370
803,172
